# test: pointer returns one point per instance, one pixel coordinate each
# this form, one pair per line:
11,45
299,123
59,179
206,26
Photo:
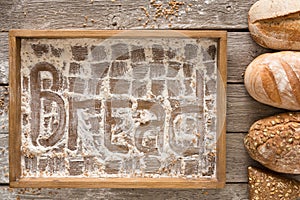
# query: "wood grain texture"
236,168
15,104
107,14
4,97
237,163
26,33
237,62
231,192
3,158
242,110
3,58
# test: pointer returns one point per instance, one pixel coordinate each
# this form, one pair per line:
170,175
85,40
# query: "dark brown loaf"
275,142
275,24
273,79
265,185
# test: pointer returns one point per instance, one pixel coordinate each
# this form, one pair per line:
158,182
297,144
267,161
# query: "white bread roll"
275,24
274,79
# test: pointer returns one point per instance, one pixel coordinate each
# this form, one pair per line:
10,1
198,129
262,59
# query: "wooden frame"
15,126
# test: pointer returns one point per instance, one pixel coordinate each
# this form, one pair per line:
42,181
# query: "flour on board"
119,107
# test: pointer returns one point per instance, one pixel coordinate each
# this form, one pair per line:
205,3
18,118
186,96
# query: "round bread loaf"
275,24
275,142
273,79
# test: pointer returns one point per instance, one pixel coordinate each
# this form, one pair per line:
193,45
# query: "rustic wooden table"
242,110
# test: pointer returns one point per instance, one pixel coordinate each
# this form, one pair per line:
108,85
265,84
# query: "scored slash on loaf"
273,79
275,24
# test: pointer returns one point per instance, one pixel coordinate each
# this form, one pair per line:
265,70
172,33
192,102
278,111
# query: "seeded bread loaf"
273,79
275,24
275,142
265,185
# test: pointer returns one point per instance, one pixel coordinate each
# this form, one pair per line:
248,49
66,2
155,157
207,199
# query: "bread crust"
268,9
267,185
275,24
274,79
275,142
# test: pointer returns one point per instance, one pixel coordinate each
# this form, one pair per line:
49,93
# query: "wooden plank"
131,14
221,104
4,97
247,51
4,58
242,110
230,192
236,168
4,158
163,183
15,109
237,159
111,34
237,62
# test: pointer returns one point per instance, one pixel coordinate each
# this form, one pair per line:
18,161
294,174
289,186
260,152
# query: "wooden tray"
117,109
